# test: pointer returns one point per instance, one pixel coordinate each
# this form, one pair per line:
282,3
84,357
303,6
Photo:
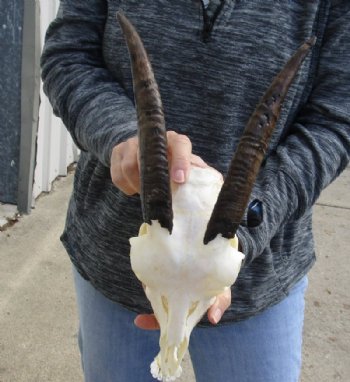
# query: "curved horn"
155,184
235,192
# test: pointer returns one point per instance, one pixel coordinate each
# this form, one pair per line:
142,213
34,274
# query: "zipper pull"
207,31
210,20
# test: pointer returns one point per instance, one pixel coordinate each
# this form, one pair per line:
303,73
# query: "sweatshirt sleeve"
317,147
92,105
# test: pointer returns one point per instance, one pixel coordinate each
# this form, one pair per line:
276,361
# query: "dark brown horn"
234,195
155,184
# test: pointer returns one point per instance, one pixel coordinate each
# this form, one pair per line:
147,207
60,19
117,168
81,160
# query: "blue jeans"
264,348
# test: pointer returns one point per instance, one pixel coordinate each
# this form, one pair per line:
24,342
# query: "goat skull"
179,255
181,275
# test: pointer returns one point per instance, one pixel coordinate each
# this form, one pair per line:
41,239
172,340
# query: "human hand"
215,312
125,165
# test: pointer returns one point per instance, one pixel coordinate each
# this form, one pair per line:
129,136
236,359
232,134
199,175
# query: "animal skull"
186,252
181,275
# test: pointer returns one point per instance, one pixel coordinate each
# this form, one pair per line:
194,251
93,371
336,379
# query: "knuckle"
121,183
121,147
133,141
183,139
129,165
180,143
180,161
177,138
226,300
117,179
171,134
116,154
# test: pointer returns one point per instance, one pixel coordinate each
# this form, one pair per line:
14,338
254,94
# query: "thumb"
180,150
146,322
222,302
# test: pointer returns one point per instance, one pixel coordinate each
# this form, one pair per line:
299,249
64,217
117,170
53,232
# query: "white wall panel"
55,148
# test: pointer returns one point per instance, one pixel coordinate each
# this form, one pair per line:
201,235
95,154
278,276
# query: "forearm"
83,93
317,146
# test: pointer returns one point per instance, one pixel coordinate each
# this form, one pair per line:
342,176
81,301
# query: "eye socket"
165,304
193,308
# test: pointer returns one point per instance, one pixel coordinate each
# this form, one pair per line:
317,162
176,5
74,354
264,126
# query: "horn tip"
209,235
120,16
207,239
223,227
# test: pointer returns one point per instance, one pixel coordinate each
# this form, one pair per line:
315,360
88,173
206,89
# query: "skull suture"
186,252
181,275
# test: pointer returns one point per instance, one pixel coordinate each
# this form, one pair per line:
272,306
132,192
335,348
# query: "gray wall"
11,21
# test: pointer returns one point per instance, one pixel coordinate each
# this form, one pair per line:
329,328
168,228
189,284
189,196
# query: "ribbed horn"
155,184
234,195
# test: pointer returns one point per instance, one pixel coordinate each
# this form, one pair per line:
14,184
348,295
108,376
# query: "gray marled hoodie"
212,69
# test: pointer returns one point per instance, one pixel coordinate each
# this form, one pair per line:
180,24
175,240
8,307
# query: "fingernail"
217,315
136,320
179,176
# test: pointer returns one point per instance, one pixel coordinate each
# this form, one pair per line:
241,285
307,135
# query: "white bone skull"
180,274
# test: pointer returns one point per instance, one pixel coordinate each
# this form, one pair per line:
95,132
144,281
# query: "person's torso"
212,72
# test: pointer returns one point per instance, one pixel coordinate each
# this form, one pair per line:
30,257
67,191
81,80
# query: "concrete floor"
38,321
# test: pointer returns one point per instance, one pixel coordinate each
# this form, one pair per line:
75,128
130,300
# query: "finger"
146,322
198,161
116,171
125,167
120,181
180,150
222,302
130,170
